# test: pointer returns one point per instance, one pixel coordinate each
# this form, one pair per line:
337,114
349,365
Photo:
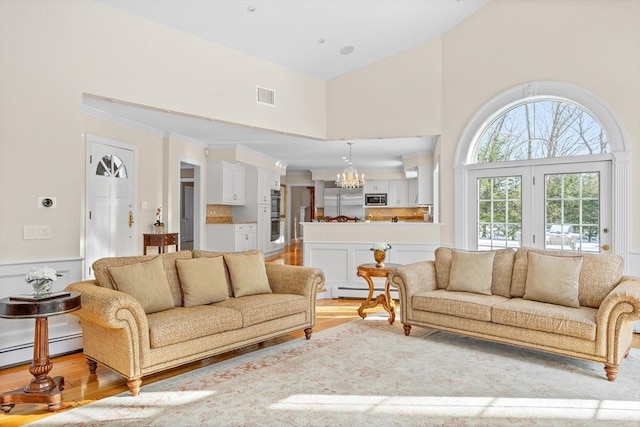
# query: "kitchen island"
339,247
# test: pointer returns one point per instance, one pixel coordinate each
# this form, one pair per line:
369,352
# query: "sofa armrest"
615,318
411,279
103,306
115,330
291,279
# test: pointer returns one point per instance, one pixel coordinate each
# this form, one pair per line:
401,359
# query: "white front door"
111,227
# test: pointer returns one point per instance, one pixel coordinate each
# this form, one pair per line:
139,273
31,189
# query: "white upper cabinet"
425,185
226,183
376,186
412,191
398,194
275,181
265,184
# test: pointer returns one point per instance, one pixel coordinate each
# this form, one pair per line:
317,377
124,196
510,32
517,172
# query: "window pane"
499,212
111,166
573,218
541,129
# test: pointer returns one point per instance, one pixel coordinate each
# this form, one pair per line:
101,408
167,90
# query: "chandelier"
350,177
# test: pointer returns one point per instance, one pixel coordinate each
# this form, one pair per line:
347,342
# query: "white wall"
53,52
593,44
397,96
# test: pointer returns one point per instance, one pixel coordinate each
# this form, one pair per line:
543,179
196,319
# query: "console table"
42,388
161,240
367,271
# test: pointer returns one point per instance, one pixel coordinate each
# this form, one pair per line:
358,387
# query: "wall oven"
275,229
275,203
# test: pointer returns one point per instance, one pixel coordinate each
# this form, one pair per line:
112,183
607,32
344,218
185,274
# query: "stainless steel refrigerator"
342,201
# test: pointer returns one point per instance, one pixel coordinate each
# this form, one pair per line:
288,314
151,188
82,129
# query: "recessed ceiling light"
251,8
346,50
321,40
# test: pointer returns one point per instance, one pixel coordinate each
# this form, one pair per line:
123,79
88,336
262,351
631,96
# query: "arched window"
112,166
541,129
535,166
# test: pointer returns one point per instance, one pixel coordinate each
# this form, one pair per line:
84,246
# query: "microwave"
375,199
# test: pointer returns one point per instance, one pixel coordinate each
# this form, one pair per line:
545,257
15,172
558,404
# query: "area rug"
367,373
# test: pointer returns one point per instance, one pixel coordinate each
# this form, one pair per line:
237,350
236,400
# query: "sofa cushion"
460,304
471,272
187,323
600,273
203,280
248,273
146,282
101,270
502,269
261,308
538,316
553,279
198,253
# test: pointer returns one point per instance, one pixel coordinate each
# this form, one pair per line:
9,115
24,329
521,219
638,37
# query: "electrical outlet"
45,202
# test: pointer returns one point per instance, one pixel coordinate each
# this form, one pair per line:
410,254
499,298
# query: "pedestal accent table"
367,271
42,388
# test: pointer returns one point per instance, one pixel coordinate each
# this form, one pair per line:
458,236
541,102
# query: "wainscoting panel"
339,261
16,335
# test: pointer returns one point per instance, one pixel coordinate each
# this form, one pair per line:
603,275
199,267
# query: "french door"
565,207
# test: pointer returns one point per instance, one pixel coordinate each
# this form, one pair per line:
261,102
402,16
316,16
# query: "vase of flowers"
159,225
380,253
41,279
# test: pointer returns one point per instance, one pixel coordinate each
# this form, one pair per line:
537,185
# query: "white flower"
42,274
380,246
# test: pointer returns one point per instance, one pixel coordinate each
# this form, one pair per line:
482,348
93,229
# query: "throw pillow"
471,272
553,279
203,280
248,273
146,282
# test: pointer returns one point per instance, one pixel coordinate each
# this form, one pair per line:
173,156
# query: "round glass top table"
42,388
367,271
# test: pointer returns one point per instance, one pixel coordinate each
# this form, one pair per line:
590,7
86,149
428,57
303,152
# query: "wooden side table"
161,240
367,271
42,388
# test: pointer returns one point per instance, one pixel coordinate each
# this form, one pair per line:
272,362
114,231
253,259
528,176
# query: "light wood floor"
82,388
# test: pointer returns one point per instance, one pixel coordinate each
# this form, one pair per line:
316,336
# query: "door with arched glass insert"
541,178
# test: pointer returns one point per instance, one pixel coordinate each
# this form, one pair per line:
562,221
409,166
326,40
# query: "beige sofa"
145,314
588,314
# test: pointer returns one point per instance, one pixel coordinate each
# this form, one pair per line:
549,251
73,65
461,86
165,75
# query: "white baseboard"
16,335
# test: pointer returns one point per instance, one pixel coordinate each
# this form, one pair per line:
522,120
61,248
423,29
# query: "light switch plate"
36,232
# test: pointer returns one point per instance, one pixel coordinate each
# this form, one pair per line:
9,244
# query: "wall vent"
265,96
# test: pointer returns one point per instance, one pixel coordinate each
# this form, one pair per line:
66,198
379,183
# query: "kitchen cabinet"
398,194
231,237
412,191
226,183
425,185
264,186
376,186
264,228
275,181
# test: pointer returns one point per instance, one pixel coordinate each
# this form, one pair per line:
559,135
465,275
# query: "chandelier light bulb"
350,177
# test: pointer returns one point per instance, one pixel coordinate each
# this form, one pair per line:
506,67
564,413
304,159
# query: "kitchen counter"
374,231
338,248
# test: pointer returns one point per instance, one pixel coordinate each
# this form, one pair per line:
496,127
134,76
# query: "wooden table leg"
383,299
42,388
367,302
